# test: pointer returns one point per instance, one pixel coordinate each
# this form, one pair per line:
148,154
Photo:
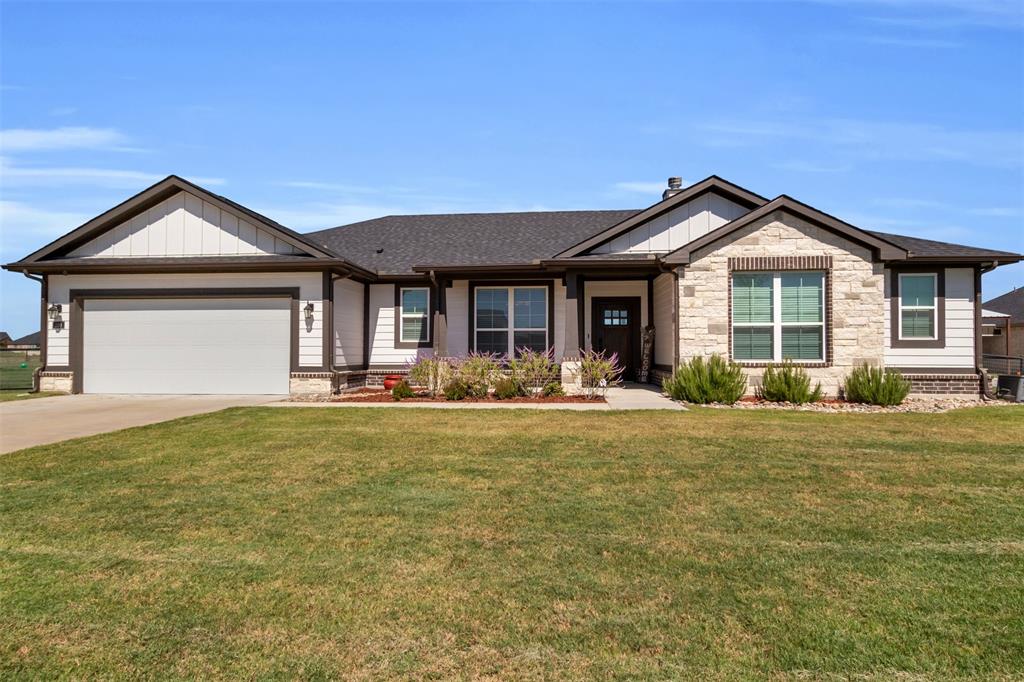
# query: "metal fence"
16,368
1003,365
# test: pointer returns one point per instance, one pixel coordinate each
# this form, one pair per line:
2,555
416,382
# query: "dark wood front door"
615,324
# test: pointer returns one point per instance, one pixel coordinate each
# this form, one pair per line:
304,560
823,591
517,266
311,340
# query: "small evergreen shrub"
506,388
715,380
431,373
788,383
533,369
597,372
553,389
479,371
402,390
456,389
875,386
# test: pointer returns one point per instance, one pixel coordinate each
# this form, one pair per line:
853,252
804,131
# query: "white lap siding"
382,330
664,313
958,352
348,323
310,286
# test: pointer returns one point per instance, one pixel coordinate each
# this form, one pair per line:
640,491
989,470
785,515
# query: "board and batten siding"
184,225
310,291
457,303
959,349
677,227
348,323
664,313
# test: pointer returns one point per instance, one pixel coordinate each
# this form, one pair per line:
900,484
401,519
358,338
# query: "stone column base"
571,381
311,383
55,382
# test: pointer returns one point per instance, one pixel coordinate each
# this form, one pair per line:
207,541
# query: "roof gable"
713,184
883,249
200,207
1011,303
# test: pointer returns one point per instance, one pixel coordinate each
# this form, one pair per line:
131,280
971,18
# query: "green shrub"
533,369
506,388
456,389
875,386
715,380
597,372
430,373
788,383
402,390
478,371
553,389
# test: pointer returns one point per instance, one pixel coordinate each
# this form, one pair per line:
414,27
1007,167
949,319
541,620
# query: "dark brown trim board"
894,307
473,284
366,325
431,309
79,296
327,330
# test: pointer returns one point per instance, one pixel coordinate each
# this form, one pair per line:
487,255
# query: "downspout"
986,388
43,329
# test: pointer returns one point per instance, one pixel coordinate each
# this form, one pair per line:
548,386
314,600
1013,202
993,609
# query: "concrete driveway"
25,423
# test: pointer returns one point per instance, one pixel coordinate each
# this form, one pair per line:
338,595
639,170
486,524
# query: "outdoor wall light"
309,311
54,311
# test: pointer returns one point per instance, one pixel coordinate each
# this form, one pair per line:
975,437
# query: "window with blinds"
918,294
778,316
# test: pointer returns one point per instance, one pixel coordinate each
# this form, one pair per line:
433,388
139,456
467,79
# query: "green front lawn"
291,542
23,394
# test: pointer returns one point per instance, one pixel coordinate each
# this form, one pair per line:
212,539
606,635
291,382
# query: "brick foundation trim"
755,263
944,384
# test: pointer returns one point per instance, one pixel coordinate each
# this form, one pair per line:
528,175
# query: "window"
414,320
616,318
778,316
503,328
918,294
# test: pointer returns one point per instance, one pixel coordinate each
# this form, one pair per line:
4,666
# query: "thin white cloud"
810,167
14,175
329,186
67,137
941,14
997,212
900,41
909,202
642,187
876,139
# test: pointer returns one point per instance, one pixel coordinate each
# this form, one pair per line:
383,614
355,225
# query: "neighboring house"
27,342
5,339
179,290
1003,318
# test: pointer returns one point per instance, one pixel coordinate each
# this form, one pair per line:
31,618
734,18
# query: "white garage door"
220,346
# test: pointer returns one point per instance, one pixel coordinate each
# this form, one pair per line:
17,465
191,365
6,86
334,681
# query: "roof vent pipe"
675,186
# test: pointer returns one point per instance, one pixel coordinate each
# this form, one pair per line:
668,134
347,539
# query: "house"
1003,324
179,290
5,340
27,342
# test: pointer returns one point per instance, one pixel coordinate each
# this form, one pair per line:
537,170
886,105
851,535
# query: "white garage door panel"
220,346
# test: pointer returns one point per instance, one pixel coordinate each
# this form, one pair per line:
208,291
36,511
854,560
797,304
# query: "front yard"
371,543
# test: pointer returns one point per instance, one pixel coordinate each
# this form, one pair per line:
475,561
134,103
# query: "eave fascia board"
186,265
712,183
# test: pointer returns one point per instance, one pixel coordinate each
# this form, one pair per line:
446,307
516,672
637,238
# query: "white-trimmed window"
918,305
414,319
778,316
506,319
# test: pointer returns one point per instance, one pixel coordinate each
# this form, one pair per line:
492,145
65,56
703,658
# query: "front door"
616,329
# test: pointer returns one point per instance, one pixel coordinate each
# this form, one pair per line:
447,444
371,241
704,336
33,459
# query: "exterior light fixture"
54,311
309,311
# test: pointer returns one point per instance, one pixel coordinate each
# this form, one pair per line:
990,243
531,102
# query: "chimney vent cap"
675,182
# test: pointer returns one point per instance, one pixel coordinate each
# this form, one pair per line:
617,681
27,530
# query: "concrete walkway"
628,397
26,423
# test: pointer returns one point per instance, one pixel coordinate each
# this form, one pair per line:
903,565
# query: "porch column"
572,319
441,320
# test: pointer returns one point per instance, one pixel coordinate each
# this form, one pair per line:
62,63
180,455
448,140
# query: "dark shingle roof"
463,238
1010,303
28,340
927,248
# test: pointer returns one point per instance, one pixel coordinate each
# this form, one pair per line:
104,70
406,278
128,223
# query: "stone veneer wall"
311,383
856,294
59,382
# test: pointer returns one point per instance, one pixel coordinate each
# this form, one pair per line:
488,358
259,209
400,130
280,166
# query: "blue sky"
894,115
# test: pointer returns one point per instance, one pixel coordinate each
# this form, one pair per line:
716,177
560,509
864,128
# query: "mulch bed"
369,395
